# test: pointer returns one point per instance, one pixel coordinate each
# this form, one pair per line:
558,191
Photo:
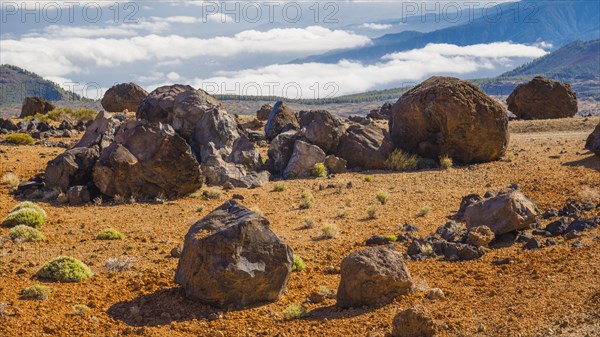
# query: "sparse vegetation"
119,264
401,161
11,180
308,223
23,233
119,199
110,234
298,264
211,194
589,194
368,179
319,170
294,311
80,309
35,292
372,213
308,200
98,201
18,138
64,269
348,202
392,238
72,116
30,205
424,211
200,209
382,197
329,231
446,162
25,216
279,187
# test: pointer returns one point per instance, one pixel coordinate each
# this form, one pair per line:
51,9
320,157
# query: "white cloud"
317,80
49,56
376,26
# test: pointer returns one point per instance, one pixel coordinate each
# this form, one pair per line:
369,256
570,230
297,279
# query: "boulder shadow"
161,308
592,162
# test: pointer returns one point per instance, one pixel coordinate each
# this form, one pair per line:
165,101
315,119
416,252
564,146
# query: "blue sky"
239,47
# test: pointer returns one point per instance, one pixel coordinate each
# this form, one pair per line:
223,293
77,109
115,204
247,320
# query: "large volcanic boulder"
281,119
542,98
281,150
383,113
372,276
447,116
303,160
593,141
231,258
124,96
158,105
34,105
147,160
320,128
264,112
366,147
73,167
508,211
225,153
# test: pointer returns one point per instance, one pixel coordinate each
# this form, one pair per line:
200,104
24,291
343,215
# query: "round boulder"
231,258
124,96
35,105
447,116
373,276
542,98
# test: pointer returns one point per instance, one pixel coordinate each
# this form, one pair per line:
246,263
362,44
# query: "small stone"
238,197
534,243
176,251
577,244
435,294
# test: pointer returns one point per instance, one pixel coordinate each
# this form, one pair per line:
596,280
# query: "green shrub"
382,197
211,194
35,292
64,269
71,116
110,234
25,216
401,161
298,264
80,309
19,139
308,223
38,116
308,200
329,231
372,213
392,238
368,179
279,187
294,311
30,205
22,233
446,162
424,211
319,170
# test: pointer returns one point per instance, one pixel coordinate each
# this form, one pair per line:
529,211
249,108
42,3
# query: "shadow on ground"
592,162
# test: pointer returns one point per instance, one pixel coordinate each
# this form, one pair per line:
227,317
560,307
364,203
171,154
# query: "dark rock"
572,235
377,240
147,160
383,113
43,127
320,128
124,96
531,100
541,232
365,147
550,242
8,125
550,213
462,252
372,276
500,262
335,164
505,240
581,225
452,231
508,211
534,243
362,120
238,197
232,258
100,132
78,195
303,160
577,244
159,104
410,228
466,201
74,167
280,151
447,116
281,119
558,227
34,105
64,125
264,112
593,141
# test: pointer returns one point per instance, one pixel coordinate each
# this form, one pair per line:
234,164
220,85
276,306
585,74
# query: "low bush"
446,162
30,205
35,292
424,211
372,213
64,269
25,216
211,194
319,170
329,231
382,197
23,233
401,161
11,180
72,116
308,223
80,309
298,264
308,200
119,264
19,139
392,238
368,179
294,311
279,187
110,234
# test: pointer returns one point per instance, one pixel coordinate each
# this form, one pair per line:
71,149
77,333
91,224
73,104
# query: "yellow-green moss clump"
24,216
23,233
64,269
110,234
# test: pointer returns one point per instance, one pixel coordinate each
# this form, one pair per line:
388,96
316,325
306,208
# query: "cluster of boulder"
40,129
181,137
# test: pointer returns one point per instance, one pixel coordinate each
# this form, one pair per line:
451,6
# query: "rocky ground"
552,291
